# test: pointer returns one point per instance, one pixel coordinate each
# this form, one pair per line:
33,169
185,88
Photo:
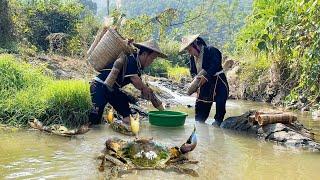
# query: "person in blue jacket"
130,73
213,85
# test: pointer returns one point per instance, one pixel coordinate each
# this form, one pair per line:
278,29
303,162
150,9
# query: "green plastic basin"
167,118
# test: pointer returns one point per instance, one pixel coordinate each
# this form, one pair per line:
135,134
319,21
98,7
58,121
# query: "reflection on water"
222,154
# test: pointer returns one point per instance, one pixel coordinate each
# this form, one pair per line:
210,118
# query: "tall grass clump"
254,69
16,76
68,102
25,105
19,91
26,93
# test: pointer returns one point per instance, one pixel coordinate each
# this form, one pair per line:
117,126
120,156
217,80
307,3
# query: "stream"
222,154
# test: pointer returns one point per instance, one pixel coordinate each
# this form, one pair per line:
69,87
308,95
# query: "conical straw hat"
153,45
187,40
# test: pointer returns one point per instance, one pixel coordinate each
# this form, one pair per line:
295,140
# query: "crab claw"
174,152
114,144
190,144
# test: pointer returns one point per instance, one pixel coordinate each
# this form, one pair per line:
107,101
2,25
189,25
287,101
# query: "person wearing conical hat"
205,65
131,71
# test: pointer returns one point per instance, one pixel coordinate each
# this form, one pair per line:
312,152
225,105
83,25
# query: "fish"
190,144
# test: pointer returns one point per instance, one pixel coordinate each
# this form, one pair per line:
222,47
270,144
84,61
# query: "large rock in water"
290,135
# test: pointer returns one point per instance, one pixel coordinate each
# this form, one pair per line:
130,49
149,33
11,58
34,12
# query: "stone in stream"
289,135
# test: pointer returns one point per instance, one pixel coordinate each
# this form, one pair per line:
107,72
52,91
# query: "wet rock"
137,109
168,105
290,135
303,99
306,108
181,86
316,114
279,97
61,74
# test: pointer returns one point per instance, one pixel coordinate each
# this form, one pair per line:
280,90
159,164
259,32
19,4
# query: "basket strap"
124,68
138,62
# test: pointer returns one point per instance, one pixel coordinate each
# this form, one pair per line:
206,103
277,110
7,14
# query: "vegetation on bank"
279,45
64,27
68,27
26,93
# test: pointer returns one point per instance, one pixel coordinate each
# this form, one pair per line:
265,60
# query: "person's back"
131,67
130,72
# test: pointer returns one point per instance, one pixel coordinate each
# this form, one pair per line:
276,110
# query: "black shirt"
133,68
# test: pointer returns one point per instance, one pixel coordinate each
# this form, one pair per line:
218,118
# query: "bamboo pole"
195,84
156,102
116,69
264,119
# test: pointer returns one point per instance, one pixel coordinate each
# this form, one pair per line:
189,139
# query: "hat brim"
184,46
160,54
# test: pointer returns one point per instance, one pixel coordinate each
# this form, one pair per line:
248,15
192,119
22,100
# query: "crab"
146,154
58,129
118,125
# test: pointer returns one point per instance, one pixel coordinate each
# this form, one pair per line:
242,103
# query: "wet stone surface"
290,135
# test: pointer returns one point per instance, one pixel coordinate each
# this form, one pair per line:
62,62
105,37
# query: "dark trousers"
100,96
203,108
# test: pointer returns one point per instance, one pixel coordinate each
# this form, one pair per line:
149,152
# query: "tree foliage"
288,33
217,21
6,32
35,20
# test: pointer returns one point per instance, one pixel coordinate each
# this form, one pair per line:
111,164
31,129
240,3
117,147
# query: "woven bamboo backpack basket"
106,49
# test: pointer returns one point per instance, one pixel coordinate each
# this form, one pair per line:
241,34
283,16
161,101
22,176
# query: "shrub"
159,68
288,30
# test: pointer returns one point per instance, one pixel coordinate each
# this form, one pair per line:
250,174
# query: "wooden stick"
113,160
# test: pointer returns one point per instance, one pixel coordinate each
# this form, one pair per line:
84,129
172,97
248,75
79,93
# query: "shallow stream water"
222,154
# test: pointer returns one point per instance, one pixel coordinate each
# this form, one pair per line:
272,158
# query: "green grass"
176,73
26,93
72,97
254,68
16,76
